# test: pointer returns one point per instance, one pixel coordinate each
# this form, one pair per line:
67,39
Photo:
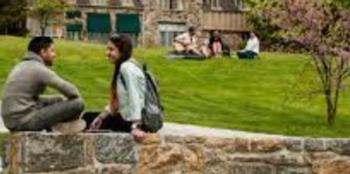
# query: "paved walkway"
185,130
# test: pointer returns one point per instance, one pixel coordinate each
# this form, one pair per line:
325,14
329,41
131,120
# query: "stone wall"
173,154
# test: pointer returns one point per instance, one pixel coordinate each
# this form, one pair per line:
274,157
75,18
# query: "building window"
73,27
128,3
98,26
171,4
168,32
215,4
99,2
237,4
240,5
129,24
164,4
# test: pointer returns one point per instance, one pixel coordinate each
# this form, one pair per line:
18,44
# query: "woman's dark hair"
39,43
211,38
124,46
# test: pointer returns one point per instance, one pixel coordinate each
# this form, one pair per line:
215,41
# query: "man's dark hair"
39,43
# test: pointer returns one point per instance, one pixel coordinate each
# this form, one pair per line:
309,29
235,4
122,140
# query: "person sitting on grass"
24,108
215,44
187,44
252,48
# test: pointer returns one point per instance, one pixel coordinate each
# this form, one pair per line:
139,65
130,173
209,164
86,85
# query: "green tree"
47,12
344,3
11,14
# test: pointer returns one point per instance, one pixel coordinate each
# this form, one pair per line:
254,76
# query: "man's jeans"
51,114
246,54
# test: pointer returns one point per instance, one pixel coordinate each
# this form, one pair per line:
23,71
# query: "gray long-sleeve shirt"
25,84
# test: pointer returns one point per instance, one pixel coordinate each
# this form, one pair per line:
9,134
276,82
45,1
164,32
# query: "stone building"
149,22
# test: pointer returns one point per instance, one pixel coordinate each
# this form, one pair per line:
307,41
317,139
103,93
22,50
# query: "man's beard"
48,63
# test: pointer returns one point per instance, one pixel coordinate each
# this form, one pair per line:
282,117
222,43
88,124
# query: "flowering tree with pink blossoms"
322,27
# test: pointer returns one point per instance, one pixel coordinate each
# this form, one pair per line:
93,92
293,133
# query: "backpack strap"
135,62
123,80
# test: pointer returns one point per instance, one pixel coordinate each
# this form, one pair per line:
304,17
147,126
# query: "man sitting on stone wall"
23,106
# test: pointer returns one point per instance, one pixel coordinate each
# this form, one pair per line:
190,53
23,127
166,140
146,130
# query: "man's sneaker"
74,126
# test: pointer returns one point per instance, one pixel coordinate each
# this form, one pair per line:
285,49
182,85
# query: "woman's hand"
97,123
138,134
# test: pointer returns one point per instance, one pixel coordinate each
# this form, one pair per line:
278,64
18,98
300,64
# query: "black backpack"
152,113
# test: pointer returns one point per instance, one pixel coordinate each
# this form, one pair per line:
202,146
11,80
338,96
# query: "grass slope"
224,93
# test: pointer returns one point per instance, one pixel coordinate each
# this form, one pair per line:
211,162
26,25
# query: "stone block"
115,148
335,166
294,144
251,169
294,170
314,145
117,169
341,146
41,152
160,159
265,145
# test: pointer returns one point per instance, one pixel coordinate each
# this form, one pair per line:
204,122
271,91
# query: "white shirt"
131,92
186,38
131,86
253,45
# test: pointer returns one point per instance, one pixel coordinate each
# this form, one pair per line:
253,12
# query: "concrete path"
186,130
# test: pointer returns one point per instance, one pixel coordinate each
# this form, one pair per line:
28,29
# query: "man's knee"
76,108
79,104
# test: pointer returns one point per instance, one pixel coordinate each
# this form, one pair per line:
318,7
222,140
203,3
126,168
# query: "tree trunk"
42,31
331,112
329,99
332,102
43,25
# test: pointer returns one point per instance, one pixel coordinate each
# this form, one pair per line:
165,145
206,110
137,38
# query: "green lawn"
260,96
